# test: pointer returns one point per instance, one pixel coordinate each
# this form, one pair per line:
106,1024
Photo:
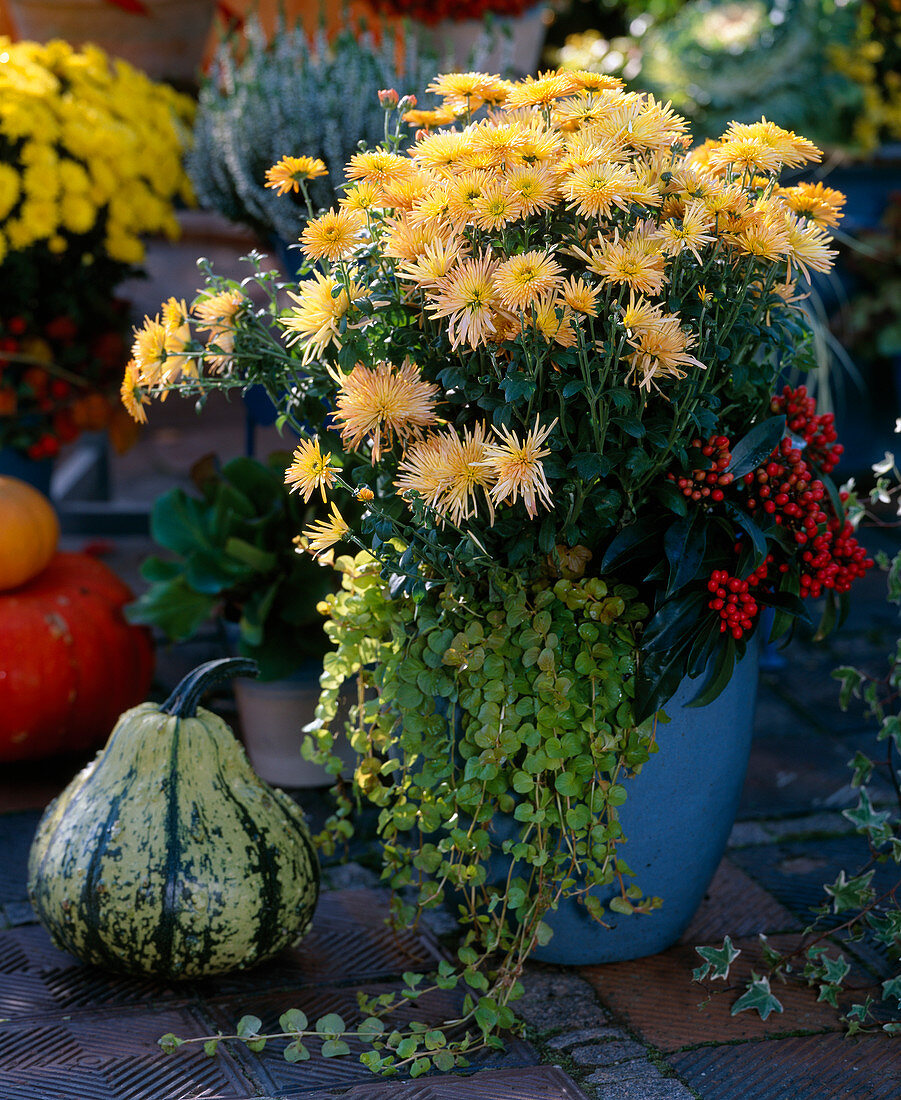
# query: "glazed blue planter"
36,471
676,820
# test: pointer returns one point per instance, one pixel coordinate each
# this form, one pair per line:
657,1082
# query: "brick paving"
625,1031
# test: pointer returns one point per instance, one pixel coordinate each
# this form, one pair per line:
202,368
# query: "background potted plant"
549,338
285,93
164,38
232,560
90,159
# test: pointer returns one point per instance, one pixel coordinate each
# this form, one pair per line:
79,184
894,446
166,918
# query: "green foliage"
235,559
289,95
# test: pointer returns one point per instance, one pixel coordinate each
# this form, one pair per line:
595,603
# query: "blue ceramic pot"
676,820
36,471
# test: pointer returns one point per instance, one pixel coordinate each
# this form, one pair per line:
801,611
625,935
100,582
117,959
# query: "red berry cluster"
818,431
834,560
708,482
732,599
785,489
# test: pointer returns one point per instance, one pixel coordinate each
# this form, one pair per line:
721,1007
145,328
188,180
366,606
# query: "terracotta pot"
514,44
272,716
166,40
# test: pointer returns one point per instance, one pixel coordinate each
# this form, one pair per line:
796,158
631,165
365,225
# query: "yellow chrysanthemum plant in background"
538,342
91,157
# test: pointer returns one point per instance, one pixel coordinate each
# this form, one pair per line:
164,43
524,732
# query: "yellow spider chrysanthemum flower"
594,190
553,319
133,396
690,232
310,469
447,472
434,264
441,150
332,236
362,198
497,144
745,155
814,201
593,83
517,469
321,304
467,92
534,188
378,166
408,239
522,279
462,192
641,315
425,120
661,352
217,315
383,403
467,297
322,535
580,297
495,208
148,351
808,247
791,150
636,261
287,174
763,237
178,340
540,91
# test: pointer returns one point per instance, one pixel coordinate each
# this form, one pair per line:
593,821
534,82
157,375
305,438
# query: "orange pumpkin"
69,662
29,532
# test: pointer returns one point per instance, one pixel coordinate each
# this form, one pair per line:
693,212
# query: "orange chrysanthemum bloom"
441,150
495,208
332,236
534,188
689,233
635,261
434,263
467,92
791,150
287,174
382,403
550,316
593,83
362,198
425,120
808,247
148,351
580,297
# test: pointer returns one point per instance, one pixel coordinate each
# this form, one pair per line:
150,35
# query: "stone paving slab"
735,905
660,1003
812,1067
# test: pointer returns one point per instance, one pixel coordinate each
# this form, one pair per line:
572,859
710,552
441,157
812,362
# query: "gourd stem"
182,703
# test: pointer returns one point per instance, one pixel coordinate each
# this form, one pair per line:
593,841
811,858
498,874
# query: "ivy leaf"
892,988
717,961
852,893
756,446
757,996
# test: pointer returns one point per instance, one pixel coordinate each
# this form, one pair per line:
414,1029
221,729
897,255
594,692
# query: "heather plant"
266,96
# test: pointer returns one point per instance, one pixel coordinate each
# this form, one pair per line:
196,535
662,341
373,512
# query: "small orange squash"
29,532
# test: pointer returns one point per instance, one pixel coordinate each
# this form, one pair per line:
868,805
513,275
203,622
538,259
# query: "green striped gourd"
167,855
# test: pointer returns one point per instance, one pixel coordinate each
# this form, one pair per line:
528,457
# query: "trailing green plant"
288,93
855,907
232,558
